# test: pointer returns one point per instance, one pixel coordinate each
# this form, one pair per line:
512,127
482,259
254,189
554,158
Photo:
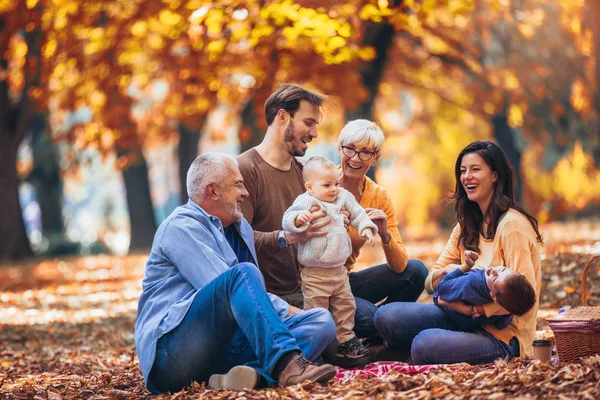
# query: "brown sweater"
271,191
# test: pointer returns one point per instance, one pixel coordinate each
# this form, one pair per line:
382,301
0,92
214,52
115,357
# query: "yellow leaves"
216,47
435,44
348,9
367,53
336,42
5,363
49,48
214,21
31,3
155,41
580,96
345,31
97,100
7,5
515,116
19,49
373,13
169,18
511,82
139,28
60,22
574,181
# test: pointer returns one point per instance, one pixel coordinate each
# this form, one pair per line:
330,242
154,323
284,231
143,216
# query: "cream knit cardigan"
333,249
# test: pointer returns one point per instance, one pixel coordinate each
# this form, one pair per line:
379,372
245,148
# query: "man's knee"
248,270
323,319
418,270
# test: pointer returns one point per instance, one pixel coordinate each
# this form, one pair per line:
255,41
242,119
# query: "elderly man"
204,309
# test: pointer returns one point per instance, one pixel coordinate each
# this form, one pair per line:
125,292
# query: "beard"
231,208
291,141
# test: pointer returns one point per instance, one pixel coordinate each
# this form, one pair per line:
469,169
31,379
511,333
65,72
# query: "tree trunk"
379,36
252,133
141,212
45,177
14,243
187,150
504,135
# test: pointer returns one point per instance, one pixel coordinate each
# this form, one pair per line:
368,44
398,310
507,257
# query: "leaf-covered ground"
67,332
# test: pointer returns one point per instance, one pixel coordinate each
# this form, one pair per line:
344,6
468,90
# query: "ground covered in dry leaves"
66,328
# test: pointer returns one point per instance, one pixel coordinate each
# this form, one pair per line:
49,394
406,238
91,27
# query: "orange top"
375,196
515,246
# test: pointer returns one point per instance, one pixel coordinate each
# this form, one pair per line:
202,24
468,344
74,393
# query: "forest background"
104,104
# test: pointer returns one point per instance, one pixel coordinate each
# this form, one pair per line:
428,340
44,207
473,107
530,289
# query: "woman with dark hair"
502,233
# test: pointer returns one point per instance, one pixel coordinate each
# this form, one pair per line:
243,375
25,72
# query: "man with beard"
273,177
204,313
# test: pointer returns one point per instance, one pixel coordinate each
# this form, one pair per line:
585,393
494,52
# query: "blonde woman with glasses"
399,279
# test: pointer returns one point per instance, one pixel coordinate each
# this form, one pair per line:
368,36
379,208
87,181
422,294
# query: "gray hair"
207,168
362,131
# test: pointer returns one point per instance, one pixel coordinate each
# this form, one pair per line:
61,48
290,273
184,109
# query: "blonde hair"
316,164
362,131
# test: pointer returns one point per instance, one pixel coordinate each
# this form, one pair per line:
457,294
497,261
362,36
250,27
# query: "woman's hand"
457,306
312,230
379,218
439,274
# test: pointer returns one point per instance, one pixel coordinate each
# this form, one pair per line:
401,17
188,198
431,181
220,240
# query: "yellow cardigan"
515,246
374,196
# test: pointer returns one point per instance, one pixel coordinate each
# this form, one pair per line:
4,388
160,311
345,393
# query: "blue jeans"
374,284
232,322
433,338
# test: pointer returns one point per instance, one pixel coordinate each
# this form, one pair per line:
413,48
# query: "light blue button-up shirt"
189,251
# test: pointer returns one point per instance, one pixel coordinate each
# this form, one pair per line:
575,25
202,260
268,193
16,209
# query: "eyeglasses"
363,154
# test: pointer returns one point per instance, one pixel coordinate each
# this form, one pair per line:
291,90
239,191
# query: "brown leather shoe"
300,369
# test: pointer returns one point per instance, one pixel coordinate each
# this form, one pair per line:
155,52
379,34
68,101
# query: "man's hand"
302,218
346,215
292,310
368,234
379,218
312,230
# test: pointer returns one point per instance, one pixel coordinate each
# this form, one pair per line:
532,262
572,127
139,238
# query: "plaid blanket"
380,369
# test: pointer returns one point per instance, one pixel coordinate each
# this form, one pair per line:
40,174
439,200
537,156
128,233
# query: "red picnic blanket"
380,369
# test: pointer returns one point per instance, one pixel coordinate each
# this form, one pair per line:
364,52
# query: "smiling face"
231,196
324,184
496,279
301,129
477,179
353,166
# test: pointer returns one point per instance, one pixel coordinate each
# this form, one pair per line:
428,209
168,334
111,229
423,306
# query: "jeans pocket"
166,374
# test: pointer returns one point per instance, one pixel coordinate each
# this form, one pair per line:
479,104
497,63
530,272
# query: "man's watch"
281,240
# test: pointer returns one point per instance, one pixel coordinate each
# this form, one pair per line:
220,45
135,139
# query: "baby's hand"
369,235
303,217
470,258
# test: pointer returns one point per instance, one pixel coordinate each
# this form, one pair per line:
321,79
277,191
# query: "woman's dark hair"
468,213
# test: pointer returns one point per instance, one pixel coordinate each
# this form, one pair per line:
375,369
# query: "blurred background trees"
141,87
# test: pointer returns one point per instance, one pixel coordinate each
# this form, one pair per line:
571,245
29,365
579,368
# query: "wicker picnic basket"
577,331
